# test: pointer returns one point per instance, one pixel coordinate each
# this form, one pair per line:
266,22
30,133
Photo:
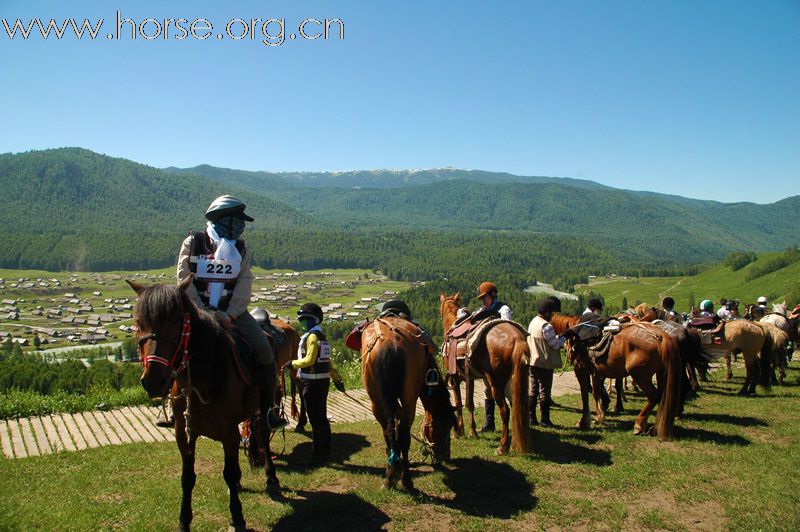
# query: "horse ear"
138,288
441,298
457,298
183,285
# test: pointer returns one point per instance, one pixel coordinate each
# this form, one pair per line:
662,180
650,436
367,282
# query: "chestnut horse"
502,356
397,368
285,354
640,350
188,356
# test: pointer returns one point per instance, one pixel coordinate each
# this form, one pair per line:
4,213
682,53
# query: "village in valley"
42,310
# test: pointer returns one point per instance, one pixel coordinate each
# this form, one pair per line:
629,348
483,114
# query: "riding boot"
166,420
267,383
532,401
488,425
546,414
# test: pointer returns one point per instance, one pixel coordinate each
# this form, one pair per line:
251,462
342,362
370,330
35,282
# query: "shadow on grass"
703,435
316,510
343,446
484,488
555,447
741,421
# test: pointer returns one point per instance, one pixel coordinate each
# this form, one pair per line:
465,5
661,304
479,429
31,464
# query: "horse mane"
562,322
160,303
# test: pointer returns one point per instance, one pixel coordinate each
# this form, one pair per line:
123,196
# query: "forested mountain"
75,209
641,225
72,190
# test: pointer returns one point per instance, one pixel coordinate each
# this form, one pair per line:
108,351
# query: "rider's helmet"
556,302
595,303
398,307
487,288
707,305
668,303
260,315
762,301
543,306
227,205
310,310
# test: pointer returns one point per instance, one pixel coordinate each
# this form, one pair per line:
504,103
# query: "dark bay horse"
188,356
503,356
397,368
640,350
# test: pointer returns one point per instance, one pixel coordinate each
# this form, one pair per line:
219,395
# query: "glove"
339,385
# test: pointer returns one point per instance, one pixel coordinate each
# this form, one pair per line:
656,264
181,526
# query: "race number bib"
208,268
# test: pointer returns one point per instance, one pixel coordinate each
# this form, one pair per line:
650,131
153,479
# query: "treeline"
790,256
19,371
738,260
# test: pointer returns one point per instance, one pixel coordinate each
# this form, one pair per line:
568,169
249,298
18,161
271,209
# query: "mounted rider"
707,310
668,304
219,262
762,303
492,308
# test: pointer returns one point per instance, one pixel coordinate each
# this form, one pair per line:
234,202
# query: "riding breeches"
315,395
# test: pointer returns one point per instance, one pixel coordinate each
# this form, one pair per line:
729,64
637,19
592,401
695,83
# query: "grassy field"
734,466
716,282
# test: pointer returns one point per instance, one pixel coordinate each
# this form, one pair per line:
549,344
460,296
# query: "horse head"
163,325
438,423
780,309
448,308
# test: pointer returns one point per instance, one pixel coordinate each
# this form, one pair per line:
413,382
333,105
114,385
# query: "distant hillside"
640,225
71,189
371,178
715,282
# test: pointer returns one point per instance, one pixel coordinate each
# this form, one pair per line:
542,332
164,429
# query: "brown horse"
397,368
188,356
756,344
286,354
501,357
640,350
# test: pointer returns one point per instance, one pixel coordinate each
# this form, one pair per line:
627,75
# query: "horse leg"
618,406
498,393
455,386
601,399
404,443
188,477
585,384
728,372
470,393
645,383
692,374
232,474
750,367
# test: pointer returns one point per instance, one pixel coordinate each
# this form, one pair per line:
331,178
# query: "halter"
181,356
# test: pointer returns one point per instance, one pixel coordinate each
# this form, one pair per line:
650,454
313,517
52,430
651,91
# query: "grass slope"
727,470
713,283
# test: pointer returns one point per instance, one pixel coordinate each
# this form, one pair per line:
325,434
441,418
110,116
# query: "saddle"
353,340
277,338
711,333
243,356
466,337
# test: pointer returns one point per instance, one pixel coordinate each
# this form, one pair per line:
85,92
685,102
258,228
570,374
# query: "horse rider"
593,309
762,302
668,304
707,310
492,307
545,348
724,312
315,370
399,308
219,262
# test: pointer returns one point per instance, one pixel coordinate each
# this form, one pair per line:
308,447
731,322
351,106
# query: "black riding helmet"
544,306
595,303
311,310
668,302
397,306
227,206
556,302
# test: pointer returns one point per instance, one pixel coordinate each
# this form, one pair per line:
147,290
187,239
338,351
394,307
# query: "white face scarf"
226,250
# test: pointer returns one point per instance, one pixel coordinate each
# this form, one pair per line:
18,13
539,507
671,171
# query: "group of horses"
188,356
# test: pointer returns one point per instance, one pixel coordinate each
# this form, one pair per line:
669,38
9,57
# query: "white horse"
779,318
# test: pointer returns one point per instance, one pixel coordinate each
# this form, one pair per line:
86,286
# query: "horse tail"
520,410
670,396
389,373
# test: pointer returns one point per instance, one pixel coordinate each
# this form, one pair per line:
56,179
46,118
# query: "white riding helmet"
762,299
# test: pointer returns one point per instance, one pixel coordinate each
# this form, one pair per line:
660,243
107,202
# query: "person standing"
219,262
545,346
314,365
593,309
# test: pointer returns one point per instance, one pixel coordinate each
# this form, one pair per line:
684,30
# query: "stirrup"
274,421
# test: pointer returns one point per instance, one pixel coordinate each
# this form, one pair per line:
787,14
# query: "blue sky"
691,98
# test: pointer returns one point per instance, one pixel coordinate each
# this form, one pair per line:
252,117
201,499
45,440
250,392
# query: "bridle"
180,357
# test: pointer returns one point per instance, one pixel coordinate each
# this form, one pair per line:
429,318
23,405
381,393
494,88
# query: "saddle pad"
353,340
244,357
703,323
276,336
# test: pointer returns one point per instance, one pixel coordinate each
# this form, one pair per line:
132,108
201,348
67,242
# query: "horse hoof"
273,489
237,528
501,451
638,430
473,434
